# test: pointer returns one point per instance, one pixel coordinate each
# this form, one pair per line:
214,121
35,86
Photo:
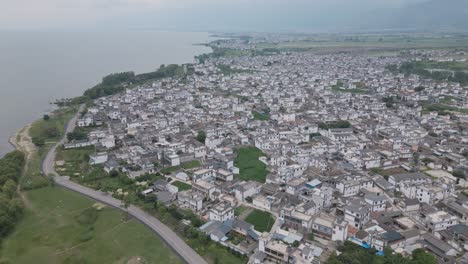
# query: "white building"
222,212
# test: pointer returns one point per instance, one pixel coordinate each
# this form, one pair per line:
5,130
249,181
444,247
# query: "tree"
422,257
113,173
9,188
38,141
201,136
51,132
419,89
459,174
126,204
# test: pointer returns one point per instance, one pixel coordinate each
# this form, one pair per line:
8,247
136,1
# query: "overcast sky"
89,14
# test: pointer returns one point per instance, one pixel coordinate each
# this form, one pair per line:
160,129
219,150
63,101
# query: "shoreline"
21,141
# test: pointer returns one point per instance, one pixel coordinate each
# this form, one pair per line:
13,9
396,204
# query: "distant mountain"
433,15
429,15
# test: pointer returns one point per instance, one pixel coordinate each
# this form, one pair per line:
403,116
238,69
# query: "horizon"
316,16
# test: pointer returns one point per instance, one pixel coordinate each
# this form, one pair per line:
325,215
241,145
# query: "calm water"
36,68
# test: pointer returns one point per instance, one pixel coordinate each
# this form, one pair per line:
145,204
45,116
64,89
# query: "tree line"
420,68
117,82
354,254
11,206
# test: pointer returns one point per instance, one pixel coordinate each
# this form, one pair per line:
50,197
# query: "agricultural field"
250,167
262,221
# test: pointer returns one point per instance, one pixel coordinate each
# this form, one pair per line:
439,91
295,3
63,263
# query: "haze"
223,15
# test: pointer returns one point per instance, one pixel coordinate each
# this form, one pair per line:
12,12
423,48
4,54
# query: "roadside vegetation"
11,206
250,167
262,221
352,253
47,132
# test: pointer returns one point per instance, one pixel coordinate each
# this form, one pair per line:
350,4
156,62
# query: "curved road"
172,240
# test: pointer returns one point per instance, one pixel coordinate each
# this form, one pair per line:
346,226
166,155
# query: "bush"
88,217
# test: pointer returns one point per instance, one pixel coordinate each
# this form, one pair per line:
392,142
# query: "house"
216,230
440,248
224,175
295,219
439,221
263,202
276,251
357,214
99,158
203,174
205,188
190,200
246,189
413,178
376,201
221,212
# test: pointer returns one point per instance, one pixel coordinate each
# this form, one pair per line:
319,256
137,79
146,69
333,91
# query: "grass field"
250,168
76,160
184,165
55,229
370,41
260,116
262,221
182,186
191,164
239,210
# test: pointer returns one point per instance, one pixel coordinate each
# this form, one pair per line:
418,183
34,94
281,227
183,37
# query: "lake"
37,68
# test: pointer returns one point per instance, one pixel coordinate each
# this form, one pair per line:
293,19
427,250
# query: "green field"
182,186
262,221
250,168
184,165
260,116
374,41
76,160
190,164
239,210
55,229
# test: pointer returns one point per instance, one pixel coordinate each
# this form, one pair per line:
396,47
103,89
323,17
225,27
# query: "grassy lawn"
60,226
76,160
190,164
262,221
260,116
250,167
182,186
239,210
184,165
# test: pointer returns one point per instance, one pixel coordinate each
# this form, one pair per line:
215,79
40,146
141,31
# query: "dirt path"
23,142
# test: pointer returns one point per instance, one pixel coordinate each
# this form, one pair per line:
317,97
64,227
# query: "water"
36,68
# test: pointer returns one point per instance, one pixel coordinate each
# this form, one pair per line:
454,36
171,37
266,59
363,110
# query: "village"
286,155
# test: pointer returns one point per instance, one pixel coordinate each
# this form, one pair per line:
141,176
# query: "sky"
183,14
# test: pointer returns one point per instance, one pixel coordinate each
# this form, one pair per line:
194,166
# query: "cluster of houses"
352,152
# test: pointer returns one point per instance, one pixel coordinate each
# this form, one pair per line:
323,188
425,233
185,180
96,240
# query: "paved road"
172,240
